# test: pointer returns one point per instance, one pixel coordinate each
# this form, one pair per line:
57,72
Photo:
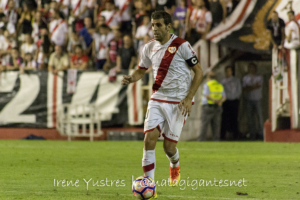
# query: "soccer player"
172,60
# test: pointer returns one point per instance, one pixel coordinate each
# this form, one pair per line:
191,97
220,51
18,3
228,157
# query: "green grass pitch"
36,169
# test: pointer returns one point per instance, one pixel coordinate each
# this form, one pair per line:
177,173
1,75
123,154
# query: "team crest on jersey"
172,49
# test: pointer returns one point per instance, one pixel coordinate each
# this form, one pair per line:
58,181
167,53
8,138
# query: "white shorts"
167,118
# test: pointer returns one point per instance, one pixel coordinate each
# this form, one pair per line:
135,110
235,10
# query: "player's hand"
126,80
185,106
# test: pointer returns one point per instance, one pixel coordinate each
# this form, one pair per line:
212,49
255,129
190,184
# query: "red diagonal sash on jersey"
111,18
126,4
57,25
77,6
101,46
165,62
6,6
101,8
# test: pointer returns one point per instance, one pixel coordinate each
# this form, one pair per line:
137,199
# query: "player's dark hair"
162,15
291,11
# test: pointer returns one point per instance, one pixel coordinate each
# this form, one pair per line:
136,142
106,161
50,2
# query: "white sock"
174,160
149,163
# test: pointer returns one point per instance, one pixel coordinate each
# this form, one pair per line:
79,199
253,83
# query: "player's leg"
172,131
173,156
149,161
154,120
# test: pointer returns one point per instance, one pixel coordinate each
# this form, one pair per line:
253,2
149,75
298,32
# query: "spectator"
75,40
79,60
178,28
148,5
4,5
28,46
24,22
233,90
189,11
212,100
252,86
91,8
143,30
5,47
125,15
200,22
58,30
4,24
43,50
63,7
147,38
101,21
58,61
180,11
111,15
218,10
78,9
126,58
100,46
276,27
11,13
166,5
87,33
51,12
29,63
139,13
112,50
15,60
38,24
292,32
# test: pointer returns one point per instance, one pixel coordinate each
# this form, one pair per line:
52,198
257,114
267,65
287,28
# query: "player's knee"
170,150
149,142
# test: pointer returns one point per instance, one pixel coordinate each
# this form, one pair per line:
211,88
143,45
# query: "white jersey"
77,6
112,18
58,30
170,63
124,9
101,44
65,3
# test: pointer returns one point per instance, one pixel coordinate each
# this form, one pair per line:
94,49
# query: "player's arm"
134,77
144,65
189,56
186,104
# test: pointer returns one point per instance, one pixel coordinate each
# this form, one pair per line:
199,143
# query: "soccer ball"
143,187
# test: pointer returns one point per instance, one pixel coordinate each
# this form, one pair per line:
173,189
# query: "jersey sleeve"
145,62
188,54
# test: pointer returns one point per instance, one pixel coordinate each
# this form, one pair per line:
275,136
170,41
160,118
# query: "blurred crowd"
94,34
284,35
